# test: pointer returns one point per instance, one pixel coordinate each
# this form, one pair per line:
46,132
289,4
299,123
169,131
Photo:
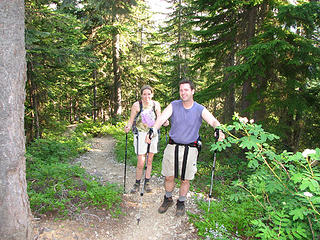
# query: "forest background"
86,62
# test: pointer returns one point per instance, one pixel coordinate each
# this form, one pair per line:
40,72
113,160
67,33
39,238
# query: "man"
180,155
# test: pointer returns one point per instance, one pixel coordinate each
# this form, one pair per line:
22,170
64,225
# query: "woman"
143,116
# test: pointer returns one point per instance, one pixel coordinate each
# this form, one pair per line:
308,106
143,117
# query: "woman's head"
144,87
146,93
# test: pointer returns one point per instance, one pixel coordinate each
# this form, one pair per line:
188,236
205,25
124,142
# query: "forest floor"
95,224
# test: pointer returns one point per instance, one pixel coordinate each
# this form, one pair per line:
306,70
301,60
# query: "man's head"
185,81
186,90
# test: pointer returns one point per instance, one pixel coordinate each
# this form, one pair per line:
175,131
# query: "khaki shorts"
142,146
168,161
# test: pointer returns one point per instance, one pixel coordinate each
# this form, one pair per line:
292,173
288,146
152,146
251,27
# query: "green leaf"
297,213
297,177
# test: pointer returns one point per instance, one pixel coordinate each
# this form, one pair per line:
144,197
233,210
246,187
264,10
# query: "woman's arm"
134,111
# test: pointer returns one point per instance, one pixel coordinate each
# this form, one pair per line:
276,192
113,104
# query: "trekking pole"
144,182
125,165
216,133
166,136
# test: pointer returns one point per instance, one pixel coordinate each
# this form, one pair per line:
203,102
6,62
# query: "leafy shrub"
54,185
285,185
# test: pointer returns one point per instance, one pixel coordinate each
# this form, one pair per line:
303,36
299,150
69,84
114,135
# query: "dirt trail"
94,224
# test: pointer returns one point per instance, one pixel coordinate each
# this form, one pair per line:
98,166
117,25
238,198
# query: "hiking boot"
181,210
167,202
147,187
135,188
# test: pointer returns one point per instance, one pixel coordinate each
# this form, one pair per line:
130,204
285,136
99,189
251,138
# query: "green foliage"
285,185
58,187
96,128
227,218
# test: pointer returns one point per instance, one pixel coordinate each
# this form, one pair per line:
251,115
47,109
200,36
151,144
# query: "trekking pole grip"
151,132
216,134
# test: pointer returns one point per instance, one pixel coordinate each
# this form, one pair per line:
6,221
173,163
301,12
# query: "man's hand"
221,136
166,123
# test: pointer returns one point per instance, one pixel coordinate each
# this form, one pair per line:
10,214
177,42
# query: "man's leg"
168,201
169,184
184,189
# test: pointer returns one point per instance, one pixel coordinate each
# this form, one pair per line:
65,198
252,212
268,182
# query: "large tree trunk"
15,213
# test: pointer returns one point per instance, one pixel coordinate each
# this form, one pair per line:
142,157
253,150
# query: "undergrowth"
58,187
260,194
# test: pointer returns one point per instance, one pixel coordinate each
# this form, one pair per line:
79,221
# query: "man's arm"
165,115
212,121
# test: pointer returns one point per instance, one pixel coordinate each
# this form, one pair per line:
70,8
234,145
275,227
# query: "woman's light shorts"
142,146
169,158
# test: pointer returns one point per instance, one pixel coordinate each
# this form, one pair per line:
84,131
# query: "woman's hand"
127,129
148,140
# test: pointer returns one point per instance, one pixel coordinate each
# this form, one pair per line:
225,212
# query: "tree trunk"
262,84
229,102
247,85
179,42
117,110
94,95
116,74
260,112
15,222
34,101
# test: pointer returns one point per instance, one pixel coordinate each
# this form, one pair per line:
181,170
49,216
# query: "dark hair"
186,81
144,87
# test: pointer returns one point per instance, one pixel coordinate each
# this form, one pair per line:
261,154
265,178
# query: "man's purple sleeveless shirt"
185,123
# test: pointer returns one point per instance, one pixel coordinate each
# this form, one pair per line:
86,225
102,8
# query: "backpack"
134,124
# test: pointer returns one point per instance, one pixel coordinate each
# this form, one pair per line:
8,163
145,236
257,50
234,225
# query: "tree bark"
179,42
15,223
247,85
260,112
229,101
34,102
94,95
117,110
